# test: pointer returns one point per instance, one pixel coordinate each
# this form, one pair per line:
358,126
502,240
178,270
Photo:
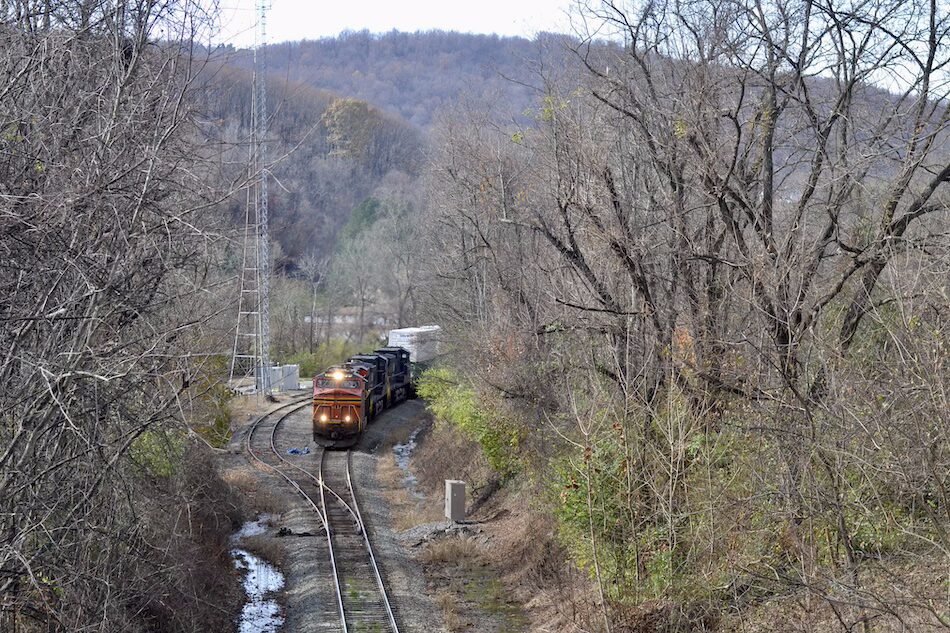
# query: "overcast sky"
312,19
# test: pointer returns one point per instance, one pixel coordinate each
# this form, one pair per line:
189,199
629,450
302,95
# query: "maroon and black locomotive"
347,397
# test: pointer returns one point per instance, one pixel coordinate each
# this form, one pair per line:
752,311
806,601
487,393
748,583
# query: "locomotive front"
338,406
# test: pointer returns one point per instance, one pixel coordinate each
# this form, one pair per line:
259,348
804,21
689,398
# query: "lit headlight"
346,418
323,418
337,375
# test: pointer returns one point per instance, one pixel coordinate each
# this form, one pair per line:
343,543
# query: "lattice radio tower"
250,355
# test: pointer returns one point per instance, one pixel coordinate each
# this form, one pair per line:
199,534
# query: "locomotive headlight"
323,418
337,375
346,418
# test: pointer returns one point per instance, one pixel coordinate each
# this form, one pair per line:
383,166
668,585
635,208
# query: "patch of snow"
253,528
261,613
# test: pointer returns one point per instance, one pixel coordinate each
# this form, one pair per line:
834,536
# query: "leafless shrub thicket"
713,278
103,292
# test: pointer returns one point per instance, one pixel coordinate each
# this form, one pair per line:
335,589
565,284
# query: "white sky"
312,19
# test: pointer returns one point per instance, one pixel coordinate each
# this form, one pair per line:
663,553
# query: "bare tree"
105,263
315,270
395,262
718,226
354,270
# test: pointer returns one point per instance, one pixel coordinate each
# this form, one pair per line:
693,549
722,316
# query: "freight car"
347,397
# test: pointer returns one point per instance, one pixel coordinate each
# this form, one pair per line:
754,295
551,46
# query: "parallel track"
361,604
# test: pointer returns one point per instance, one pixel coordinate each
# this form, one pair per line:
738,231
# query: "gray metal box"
454,500
290,378
276,378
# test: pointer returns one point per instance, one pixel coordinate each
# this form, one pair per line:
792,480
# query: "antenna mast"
252,333
260,74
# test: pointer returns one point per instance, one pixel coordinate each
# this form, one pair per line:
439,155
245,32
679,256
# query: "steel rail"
322,510
336,573
369,547
294,406
316,481
323,513
361,527
283,459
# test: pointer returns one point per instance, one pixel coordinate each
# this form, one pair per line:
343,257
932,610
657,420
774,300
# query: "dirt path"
294,540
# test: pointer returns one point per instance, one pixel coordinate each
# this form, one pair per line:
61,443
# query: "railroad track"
362,602
365,603
265,428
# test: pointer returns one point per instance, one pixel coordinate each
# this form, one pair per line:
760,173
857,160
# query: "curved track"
361,598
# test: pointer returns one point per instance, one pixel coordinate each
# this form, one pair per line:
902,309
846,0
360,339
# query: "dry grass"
266,548
240,479
449,455
388,473
398,435
243,406
450,614
244,409
890,581
461,551
255,493
406,510
523,555
414,515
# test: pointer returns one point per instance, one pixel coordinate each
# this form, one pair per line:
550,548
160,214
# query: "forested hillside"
418,75
349,139
352,119
328,152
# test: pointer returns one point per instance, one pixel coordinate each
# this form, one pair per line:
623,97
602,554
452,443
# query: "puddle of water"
261,613
403,453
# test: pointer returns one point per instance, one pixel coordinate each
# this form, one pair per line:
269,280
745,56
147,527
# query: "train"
346,397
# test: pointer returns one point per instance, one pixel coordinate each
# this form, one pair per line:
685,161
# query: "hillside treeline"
111,516
348,137
416,75
702,303
344,188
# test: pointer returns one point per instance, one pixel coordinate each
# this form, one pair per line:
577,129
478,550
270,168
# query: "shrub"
457,403
213,418
158,451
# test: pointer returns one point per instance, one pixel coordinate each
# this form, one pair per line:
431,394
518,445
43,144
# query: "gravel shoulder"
415,609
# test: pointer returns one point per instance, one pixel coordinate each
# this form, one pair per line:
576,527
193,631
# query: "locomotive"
347,397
